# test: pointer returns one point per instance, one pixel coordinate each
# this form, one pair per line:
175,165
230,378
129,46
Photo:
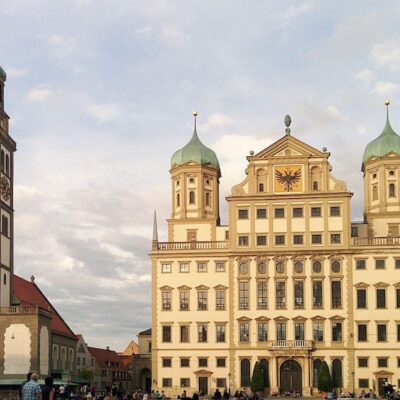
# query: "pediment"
361,285
262,318
288,147
166,287
184,287
318,318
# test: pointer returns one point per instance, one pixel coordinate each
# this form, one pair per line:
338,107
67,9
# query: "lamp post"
229,384
352,374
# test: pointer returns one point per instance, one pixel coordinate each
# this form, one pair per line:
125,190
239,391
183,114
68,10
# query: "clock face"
288,178
4,189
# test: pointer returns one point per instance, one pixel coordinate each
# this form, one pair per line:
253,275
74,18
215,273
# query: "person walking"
48,390
31,389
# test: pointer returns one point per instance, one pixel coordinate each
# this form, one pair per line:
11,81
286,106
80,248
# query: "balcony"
376,241
190,245
290,344
19,310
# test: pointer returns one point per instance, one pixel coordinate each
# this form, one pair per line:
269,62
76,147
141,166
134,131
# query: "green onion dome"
385,143
195,151
3,74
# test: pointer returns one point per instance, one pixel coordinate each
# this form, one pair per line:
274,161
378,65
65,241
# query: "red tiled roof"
29,294
103,356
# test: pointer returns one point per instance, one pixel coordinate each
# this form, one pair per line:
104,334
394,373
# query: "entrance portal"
203,385
290,377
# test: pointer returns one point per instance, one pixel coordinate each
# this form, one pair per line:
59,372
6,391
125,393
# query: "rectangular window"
166,300
299,331
279,240
166,334
360,264
382,362
78,361
167,382
354,231
280,287
315,211
363,383
398,332
380,264
167,362
298,294
203,362
281,331
220,333
397,263
202,333
243,214
262,303
243,240
398,298
279,212
335,238
361,298
363,362
184,333
297,212
336,331
316,239
202,300
184,300
185,382
362,332
297,239
318,331
317,294
165,268
244,332
262,331
185,362
261,213
221,382
381,298
221,362
243,295
201,267
261,240
184,267
220,299
220,266
335,211
336,287
381,332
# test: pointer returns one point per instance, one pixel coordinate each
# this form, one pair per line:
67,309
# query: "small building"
141,369
84,359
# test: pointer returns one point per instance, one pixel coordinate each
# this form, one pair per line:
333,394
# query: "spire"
288,121
155,231
195,124
388,128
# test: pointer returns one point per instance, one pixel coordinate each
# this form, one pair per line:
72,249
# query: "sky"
101,93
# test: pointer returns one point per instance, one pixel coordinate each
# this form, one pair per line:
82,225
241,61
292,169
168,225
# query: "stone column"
274,374
307,386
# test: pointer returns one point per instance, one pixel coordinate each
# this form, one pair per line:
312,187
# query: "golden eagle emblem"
288,178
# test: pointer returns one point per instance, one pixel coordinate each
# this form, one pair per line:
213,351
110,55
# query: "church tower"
381,175
195,174
7,149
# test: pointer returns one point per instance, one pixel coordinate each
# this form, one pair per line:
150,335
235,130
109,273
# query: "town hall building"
290,282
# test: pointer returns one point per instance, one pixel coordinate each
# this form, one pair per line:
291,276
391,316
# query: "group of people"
31,390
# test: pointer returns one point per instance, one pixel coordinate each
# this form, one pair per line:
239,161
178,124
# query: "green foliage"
87,374
324,378
257,380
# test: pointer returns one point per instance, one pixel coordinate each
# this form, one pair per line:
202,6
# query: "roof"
3,74
103,356
29,294
132,348
147,332
388,141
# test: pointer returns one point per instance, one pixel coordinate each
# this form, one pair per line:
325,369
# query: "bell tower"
7,149
381,176
195,174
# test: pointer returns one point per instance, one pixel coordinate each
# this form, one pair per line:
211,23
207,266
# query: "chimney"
32,279
108,348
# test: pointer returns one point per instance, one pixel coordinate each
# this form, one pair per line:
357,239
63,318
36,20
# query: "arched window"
261,187
337,373
265,368
7,164
4,225
192,197
208,199
316,366
261,176
316,178
375,192
245,373
392,190
315,185
2,160
178,200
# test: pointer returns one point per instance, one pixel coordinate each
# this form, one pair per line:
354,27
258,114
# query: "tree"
87,374
257,380
324,378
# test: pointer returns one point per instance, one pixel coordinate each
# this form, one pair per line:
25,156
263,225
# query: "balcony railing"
190,245
290,344
23,310
376,241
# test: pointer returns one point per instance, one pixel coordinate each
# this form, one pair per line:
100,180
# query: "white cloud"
62,46
174,36
292,12
387,54
38,94
144,32
386,88
103,113
216,120
16,72
365,75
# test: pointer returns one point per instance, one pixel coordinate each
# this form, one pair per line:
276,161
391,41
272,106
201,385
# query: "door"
381,384
290,377
203,385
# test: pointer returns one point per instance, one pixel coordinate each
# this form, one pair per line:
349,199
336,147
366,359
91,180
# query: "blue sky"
101,93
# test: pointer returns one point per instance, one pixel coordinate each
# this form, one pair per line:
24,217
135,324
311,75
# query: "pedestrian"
31,390
48,391
226,394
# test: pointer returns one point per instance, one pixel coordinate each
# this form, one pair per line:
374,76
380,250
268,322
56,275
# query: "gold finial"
195,113
387,102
